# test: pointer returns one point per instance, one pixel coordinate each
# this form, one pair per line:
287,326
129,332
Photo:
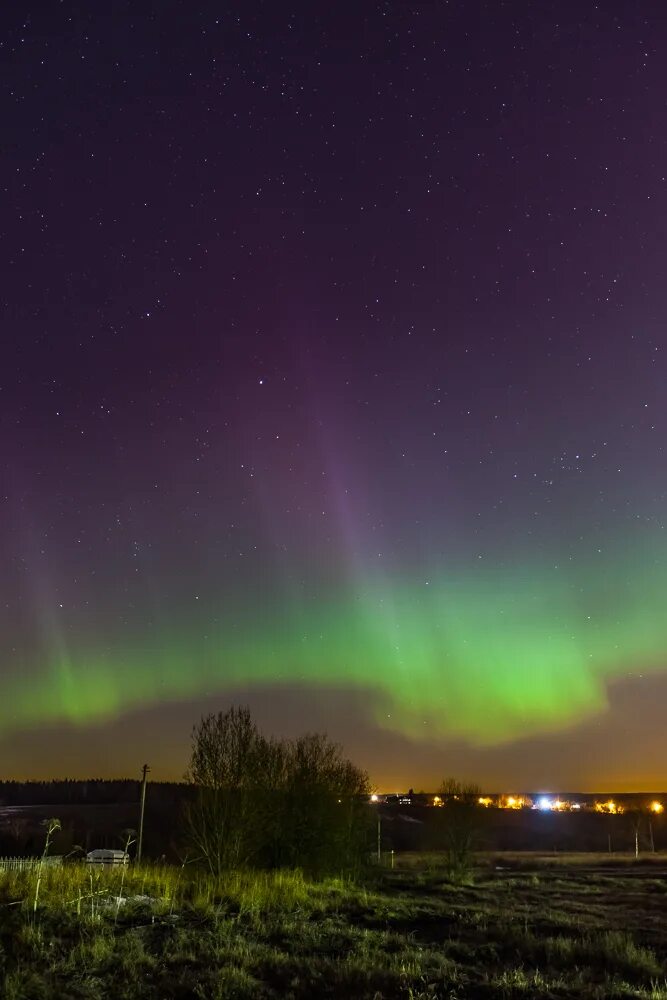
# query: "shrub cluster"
273,803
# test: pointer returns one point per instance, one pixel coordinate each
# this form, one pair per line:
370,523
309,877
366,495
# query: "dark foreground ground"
524,926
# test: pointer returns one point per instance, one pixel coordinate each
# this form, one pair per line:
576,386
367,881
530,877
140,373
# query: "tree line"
88,791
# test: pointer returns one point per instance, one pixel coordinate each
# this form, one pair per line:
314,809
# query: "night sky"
332,381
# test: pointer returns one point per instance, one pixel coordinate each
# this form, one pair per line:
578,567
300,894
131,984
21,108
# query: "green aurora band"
488,656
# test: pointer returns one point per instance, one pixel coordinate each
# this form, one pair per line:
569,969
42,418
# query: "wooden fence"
26,864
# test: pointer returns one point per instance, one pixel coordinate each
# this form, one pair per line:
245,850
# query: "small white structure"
107,856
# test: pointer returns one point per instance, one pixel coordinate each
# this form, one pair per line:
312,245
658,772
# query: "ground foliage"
528,930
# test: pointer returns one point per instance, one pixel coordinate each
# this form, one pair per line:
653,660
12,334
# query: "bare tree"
461,817
326,817
17,827
226,749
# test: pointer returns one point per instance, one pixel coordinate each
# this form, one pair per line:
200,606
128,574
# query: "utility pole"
145,769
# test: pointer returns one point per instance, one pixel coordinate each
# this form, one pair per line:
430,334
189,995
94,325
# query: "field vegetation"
276,897
523,929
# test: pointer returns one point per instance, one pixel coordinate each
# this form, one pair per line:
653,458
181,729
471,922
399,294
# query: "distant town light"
657,807
611,807
513,802
545,804
375,798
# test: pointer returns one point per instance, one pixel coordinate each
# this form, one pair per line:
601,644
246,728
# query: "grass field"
523,926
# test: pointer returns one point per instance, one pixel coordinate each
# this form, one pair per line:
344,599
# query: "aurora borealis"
333,382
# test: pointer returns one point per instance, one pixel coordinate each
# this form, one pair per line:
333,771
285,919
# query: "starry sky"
332,382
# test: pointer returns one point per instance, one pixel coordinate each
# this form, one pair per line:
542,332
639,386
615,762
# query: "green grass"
409,933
